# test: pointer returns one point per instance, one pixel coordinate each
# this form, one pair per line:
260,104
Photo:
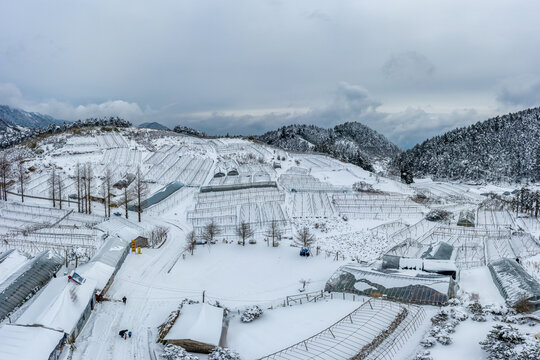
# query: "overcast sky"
409,69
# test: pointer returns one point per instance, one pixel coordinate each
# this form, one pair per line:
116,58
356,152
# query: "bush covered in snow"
438,215
223,354
174,352
505,342
424,355
251,313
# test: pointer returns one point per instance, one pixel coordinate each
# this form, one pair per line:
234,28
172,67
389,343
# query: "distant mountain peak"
32,120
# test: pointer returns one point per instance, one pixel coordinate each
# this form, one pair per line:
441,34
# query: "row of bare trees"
56,183
244,231
13,171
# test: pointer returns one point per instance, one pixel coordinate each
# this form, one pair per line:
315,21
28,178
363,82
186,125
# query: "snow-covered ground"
305,190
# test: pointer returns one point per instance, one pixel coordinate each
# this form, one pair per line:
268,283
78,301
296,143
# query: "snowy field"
231,181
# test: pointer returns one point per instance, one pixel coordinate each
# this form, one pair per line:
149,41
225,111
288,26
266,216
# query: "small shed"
141,241
198,328
514,283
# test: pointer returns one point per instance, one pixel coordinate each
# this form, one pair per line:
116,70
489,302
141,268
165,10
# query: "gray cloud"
351,103
523,91
12,96
224,58
409,66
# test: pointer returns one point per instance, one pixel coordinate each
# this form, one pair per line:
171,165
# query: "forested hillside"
504,148
351,142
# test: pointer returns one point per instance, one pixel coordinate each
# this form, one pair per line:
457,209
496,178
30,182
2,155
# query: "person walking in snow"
124,300
129,333
123,333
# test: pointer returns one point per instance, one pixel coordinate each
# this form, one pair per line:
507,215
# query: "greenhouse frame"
515,284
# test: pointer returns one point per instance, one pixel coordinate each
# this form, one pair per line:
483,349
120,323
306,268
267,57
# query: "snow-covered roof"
60,304
27,342
111,251
96,271
120,227
198,322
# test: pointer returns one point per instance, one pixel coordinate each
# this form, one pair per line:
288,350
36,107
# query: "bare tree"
304,237
244,231
60,184
84,198
140,189
191,242
52,184
127,197
210,232
78,182
89,178
158,235
22,176
5,170
274,232
107,182
104,193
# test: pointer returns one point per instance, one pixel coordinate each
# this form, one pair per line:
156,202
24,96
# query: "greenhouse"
27,280
162,194
404,286
515,284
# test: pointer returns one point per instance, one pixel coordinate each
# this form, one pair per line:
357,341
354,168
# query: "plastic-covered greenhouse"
403,286
514,283
27,280
161,195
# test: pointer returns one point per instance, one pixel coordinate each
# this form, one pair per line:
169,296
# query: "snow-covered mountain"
18,117
352,142
504,148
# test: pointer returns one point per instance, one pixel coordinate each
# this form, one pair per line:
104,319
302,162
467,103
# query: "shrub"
174,352
251,313
223,354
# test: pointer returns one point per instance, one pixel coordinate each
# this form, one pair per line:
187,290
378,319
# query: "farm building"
403,286
30,342
103,267
514,283
21,278
198,328
62,305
